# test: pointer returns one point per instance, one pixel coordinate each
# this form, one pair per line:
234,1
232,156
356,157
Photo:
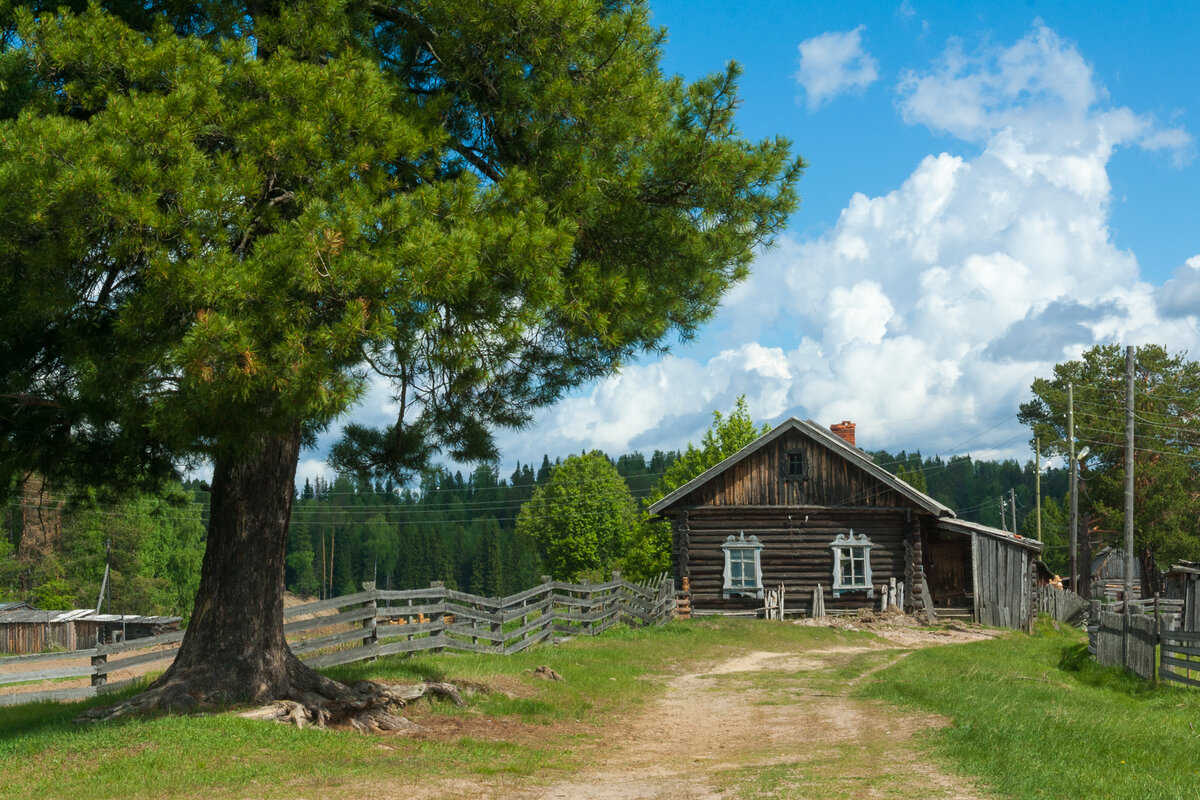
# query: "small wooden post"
99,660
891,592
371,623
585,593
441,618
927,601
1157,636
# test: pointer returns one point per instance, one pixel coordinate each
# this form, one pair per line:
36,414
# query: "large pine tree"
220,219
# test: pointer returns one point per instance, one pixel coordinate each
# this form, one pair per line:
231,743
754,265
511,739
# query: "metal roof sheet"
962,526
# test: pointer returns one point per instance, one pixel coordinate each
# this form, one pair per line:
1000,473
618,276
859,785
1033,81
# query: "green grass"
46,755
1036,717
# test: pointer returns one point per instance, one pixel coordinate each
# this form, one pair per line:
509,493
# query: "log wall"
796,553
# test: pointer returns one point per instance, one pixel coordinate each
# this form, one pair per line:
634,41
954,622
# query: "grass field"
1031,717
1035,717
532,726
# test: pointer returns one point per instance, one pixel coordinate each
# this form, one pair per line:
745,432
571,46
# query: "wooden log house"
803,507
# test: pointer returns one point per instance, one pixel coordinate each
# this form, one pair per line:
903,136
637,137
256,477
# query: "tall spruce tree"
220,218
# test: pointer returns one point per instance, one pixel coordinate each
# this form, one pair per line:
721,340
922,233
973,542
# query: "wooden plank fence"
376,623
1062,604
1130,640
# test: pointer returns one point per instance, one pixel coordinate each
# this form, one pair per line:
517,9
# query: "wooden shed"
31,630
804,508
1108,575
25,629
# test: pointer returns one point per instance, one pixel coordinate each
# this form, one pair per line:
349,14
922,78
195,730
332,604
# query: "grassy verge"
533,729
1035,717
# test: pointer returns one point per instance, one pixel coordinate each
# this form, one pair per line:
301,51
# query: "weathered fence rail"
376,623
1179,657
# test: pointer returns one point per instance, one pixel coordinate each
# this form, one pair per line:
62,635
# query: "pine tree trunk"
234,649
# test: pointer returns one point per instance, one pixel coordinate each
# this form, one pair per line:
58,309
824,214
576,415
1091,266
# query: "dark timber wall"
828,480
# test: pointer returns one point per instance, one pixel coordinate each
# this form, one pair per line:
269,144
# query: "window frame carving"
857,547
742,545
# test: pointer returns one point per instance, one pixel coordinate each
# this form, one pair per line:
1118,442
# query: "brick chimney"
844,430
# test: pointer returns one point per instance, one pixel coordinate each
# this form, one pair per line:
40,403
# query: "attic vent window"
794,464
852,563
743,567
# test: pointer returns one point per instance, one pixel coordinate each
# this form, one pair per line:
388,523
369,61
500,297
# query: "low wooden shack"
25,629
1108,575
804,508
32,630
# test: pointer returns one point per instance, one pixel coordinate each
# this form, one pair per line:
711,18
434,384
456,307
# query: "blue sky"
992,188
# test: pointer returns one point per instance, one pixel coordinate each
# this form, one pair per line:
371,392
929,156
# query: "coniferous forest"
446,526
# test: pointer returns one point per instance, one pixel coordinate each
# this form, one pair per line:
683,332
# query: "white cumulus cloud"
925,312
833,63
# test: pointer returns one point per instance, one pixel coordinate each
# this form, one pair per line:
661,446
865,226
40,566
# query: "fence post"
441,617
550,609
1157,637
99,660
370,624
585,590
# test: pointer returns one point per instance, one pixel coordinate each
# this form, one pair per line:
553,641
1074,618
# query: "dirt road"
772,725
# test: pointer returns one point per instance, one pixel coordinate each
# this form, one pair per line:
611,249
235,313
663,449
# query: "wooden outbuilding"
1108,576
802,507
25,629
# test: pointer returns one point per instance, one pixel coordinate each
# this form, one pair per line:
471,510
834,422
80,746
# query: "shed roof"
962,526
12,607
30,614
822,435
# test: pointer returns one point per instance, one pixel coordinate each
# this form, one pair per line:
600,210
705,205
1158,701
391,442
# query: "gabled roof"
823,436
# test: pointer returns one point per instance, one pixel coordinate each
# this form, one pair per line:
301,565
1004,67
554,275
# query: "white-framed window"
852,563
743,566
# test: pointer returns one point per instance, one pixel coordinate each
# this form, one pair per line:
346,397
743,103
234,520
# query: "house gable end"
797,464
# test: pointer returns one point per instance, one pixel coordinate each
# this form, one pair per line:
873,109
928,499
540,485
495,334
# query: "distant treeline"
447,527
450,528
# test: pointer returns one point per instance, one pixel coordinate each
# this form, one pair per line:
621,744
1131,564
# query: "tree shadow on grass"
47,717
1077,662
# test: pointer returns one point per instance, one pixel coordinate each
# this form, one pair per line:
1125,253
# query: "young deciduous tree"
1167,442
221,220
582,519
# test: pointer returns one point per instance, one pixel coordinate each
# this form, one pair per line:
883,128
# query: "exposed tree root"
366,706
293,692
371,709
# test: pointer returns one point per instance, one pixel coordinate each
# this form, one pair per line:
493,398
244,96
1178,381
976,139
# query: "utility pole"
107,567
1073,523
1130,358
1037,483
1003,515
1012,500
